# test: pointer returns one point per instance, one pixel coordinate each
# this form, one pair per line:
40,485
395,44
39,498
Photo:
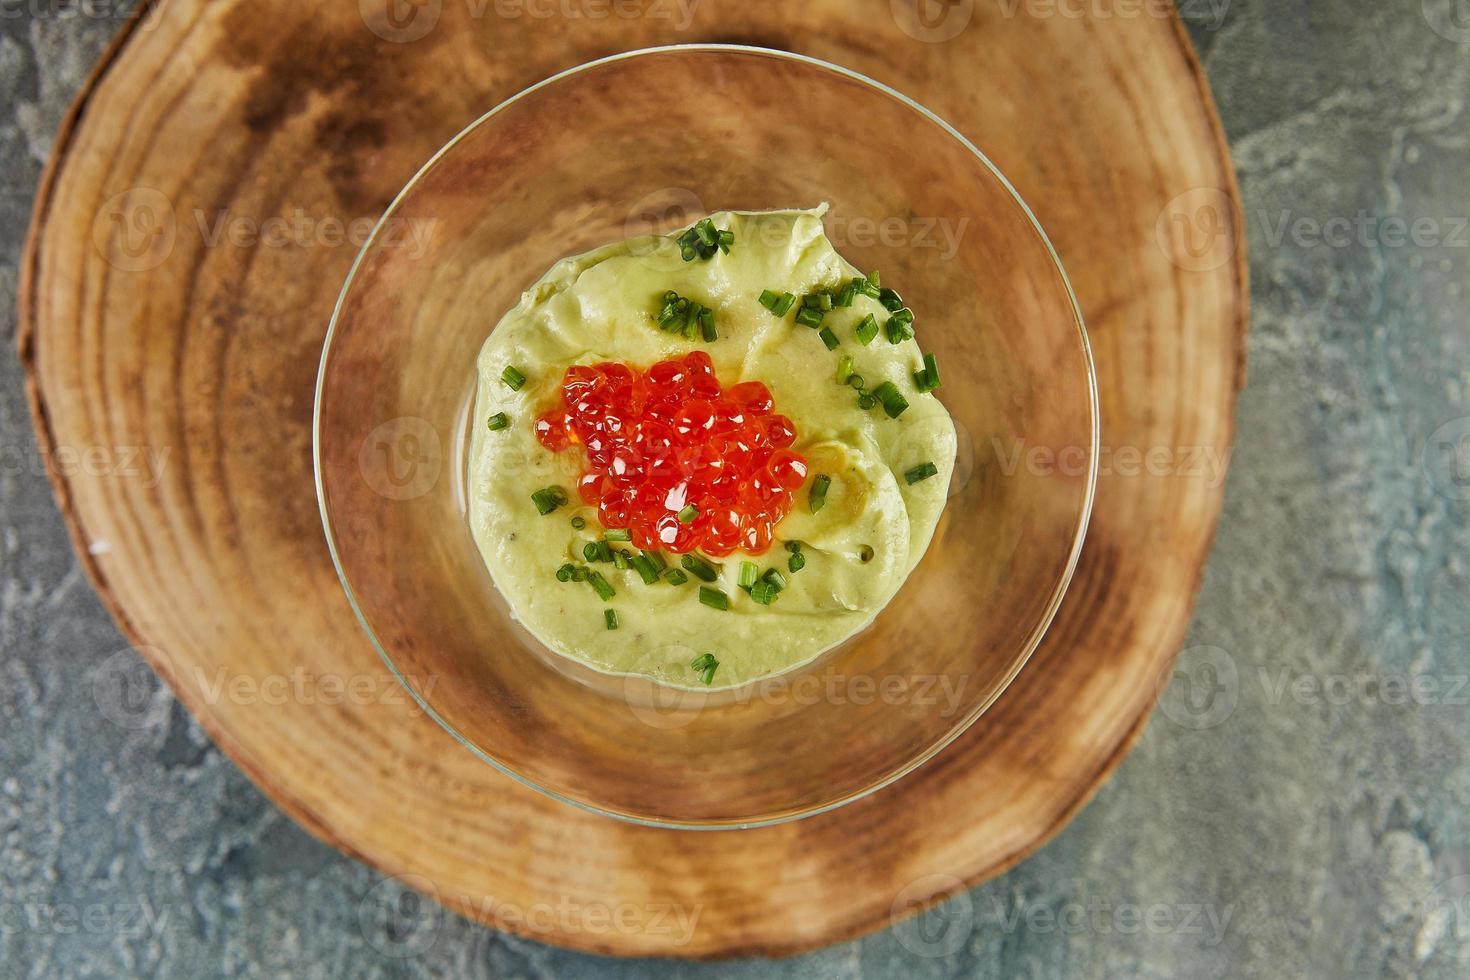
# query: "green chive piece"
705,665
498,421
796,562
620,561
829,338
727,238
783,305
894,404
513,378
610,617
793,546
857,381
876,278
589,551
713,598
866,329
869,287
931,371
823,301
809,316
890,300
705,229
921,381
617,534
769,299
578,522
920,473
558,495
775,579
676,577
898,329
644,568
817,497
656,560
688,514
564,573
844,369
699,568
546,500
579,573
707,325
749,572
866,401
846,294
764,593
600,586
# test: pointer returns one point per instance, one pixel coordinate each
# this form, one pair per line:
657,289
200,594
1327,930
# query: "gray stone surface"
1299,807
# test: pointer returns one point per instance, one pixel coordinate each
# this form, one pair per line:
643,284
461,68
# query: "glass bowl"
649,141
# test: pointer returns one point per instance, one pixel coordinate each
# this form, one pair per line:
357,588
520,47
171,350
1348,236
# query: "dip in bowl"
632,728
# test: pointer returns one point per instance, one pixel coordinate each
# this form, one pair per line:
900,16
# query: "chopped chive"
894,404
890,300
688,514
898,330
617,534
749,572
713,598
513,378
564,573
676,577
844,369
793,546
775,579
707,325
727,238
866,401
579,573
856,381
783,305
866,330
817,498
796,562
589,551
829,338
921,381
610,617
579,522
545,500
875,278
705,229
706,665
557,494
656,560
498,421
846,294
600,586
869,287
931,371
699,568
809,316
823,301
644,568
769,299
620,561
920,473
764,593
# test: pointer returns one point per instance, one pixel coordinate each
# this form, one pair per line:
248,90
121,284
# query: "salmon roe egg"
661,441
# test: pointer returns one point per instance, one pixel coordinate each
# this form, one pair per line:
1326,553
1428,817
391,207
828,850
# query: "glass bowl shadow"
648,141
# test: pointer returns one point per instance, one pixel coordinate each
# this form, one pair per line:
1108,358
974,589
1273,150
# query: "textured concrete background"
1300,806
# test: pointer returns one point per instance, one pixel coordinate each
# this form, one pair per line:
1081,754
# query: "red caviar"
661,440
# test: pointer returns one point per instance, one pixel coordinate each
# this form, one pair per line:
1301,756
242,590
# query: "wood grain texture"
209,351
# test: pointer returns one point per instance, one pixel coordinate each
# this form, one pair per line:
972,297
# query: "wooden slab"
145,333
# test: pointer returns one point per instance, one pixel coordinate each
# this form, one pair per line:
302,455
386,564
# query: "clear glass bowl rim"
1053,604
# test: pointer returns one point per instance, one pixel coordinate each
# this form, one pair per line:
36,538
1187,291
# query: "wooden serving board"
139,327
